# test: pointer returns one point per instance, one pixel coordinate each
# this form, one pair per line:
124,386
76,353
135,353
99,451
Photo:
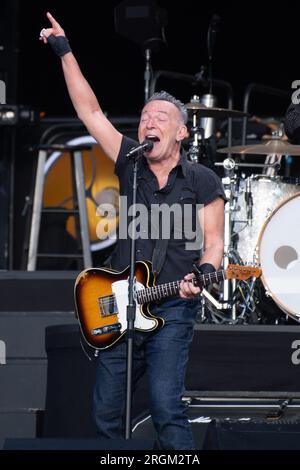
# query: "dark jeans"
164,356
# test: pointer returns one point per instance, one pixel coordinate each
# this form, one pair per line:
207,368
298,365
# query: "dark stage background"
257,42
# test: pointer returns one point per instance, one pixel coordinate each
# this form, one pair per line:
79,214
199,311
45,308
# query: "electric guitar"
101,298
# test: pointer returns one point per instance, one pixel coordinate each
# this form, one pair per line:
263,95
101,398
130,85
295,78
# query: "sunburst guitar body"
101,299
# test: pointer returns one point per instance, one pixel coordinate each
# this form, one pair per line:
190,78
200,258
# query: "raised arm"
83,97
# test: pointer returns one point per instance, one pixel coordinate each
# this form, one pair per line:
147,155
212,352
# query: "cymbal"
204,111
275,146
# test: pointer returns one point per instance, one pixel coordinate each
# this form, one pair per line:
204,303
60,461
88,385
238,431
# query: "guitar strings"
160,289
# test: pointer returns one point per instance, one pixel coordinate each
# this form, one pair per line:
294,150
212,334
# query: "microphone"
138,151
249,201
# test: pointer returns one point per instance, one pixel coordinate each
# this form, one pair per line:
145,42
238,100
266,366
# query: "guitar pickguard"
120,290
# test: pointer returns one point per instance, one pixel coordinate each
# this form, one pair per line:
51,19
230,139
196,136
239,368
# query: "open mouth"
153,138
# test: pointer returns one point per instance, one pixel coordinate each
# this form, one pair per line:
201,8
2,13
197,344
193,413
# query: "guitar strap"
161,246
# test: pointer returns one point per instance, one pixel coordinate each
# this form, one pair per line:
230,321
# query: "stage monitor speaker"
78,444
252,435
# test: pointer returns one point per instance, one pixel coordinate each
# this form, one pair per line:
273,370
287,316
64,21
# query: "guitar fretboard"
108,303
162,291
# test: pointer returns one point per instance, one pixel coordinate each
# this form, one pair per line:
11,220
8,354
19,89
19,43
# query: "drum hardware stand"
211,299
274,158
228,295
199,144
229,182
197,133
249,165
208,124
247,309
229,287
197,150
195,147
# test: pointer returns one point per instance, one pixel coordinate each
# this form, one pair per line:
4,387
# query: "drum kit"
262,227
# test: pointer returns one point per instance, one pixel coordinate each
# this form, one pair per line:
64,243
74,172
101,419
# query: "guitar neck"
170,289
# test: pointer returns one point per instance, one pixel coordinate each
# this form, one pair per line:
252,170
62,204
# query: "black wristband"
59,44
206,268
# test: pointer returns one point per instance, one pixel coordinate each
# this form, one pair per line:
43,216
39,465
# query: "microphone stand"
131,307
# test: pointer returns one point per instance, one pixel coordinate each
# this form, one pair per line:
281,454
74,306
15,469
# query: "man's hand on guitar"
187,289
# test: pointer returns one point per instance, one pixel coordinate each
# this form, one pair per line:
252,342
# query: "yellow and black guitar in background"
101,298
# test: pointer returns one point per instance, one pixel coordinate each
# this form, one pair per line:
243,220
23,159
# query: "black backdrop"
257,42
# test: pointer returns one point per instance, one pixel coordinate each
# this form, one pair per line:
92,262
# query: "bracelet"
206,268
59,44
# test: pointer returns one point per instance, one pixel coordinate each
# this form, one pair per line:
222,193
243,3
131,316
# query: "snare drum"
267,193
278,251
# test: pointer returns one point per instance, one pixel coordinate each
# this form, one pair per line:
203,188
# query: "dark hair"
165,96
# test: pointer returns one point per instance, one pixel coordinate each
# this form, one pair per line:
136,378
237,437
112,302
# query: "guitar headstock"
235,271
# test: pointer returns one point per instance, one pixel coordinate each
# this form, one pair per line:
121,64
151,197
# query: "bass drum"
102,187
267,193
278,251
